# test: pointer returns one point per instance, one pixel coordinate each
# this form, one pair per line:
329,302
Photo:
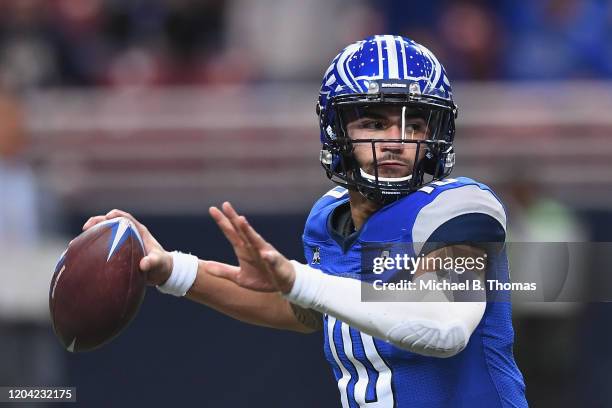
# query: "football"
97,287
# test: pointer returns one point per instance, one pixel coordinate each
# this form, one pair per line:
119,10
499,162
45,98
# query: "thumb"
272,258
152,261
280,268
157,267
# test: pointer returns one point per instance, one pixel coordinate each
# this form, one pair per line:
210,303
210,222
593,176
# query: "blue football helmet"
390,73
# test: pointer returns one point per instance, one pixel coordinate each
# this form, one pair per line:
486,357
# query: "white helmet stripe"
404,60
392,57
340,66
436,68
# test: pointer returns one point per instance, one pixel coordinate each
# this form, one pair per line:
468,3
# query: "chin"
393,174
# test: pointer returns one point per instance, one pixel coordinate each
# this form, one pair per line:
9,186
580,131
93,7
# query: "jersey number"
360,365
428,188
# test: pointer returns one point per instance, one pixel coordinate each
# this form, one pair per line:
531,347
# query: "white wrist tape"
432,328
184,272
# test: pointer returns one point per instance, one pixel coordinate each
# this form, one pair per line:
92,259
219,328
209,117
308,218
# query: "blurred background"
165,107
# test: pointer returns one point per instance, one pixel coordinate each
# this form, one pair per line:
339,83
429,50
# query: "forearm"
433,328
258,308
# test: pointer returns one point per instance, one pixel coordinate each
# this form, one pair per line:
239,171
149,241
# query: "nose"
392,133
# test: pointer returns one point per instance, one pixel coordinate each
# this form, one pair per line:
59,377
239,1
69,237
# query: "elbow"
441,352
429,338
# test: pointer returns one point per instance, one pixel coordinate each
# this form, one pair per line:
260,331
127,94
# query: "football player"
387,121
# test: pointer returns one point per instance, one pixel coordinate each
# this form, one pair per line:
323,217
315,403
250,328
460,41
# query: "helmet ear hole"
430,162
438,164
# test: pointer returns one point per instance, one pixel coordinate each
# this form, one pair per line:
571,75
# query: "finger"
252,236
144,232
222,270
238,224
229,210
93,221
225,226
233,217
120,213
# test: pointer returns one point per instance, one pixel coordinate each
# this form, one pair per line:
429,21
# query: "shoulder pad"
468,207
316,224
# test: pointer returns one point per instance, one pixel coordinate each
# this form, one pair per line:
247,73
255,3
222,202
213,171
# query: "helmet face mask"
386,137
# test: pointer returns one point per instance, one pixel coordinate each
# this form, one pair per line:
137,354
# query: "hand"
157,263
261,267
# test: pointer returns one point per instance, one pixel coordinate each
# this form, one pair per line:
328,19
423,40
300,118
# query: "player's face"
398,126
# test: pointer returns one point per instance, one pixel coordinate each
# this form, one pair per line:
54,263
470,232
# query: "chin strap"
369,177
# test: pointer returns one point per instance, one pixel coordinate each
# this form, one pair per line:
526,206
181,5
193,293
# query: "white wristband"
184,272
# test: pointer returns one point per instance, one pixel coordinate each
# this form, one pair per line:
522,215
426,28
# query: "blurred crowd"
46,43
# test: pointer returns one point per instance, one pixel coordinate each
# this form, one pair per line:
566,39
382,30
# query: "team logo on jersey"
316,256
384,254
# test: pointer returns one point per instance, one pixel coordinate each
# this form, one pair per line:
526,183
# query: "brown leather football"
97,287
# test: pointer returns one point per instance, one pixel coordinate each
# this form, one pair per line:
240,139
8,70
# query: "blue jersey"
375,374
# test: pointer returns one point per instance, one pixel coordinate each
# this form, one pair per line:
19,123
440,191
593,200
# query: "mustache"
390,156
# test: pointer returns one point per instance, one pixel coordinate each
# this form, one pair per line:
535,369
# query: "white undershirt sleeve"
431,327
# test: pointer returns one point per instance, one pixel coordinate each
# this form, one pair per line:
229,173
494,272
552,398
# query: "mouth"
391,164
393,168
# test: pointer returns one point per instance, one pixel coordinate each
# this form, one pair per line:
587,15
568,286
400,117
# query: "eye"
373,124
415,127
